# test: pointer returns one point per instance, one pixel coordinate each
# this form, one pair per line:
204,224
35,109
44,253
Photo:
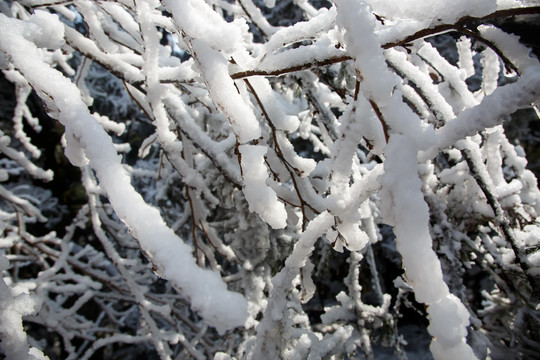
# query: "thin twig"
280,154
381,119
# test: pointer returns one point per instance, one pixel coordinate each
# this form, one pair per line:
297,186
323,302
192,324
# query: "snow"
14,343
434,10
366,50
43,31
73,149
255,14
19,157
224,92
465,56
410,215
272,106
91,15
423,81
509,44
115,61
490,74
302,30
123,18
205,289
370,59
276,311
453,77
323,49
260,197
199,21
217,150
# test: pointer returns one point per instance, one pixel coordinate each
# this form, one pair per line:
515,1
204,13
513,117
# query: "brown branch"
316,63
357,87
141,107
381,119
203,229
437,29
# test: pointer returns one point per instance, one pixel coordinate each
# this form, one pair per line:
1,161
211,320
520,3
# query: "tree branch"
437,29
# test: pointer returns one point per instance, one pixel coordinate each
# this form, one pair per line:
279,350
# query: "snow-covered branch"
264,179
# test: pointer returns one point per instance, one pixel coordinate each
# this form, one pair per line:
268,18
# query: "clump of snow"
273,107
448,322
355,239
224,92
260,197
44,30
410,215
447,317
73,150
199,21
